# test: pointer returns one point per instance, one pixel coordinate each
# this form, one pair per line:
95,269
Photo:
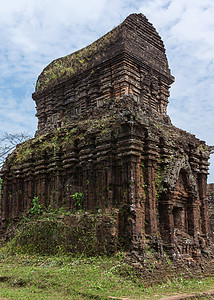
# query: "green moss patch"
51,234
70,65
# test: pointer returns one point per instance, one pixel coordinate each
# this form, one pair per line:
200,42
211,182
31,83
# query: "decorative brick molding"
103,131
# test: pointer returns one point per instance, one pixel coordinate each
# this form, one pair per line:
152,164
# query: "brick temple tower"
103,131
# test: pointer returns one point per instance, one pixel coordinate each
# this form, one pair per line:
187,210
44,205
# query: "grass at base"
67,277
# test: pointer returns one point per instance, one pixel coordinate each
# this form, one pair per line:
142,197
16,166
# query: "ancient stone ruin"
210,198
104,133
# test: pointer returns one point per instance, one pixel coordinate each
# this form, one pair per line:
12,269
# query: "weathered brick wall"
120,158
210,199
103,132
129,60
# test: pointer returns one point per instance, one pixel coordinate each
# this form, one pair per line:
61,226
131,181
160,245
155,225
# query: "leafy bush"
78,199
36,207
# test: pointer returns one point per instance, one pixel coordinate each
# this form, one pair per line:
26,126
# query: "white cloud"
187,29
34,32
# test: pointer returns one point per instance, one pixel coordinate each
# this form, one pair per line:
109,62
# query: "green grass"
67,277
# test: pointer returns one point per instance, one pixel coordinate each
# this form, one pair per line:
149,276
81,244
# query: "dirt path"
209,294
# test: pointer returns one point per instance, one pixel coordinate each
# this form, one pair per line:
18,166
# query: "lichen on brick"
104,133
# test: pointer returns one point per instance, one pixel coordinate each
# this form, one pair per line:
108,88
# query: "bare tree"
8,143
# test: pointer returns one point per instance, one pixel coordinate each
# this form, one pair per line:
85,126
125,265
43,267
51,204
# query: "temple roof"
134,36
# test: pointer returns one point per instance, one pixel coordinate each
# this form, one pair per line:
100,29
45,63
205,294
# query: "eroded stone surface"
103,131
210,197
129,60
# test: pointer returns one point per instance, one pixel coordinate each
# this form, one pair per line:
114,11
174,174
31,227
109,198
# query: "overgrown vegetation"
78,199
49,231
36,207
29,269
62,139
69,277
81,60
44,236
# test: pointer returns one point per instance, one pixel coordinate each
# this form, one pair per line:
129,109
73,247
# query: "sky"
35,32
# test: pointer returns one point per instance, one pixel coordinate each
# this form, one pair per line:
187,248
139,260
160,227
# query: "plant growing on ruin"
78,199
36,207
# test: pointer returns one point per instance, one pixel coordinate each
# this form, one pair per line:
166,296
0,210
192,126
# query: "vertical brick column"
150,178
6,188
193,214
202,183
167,223
151,198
